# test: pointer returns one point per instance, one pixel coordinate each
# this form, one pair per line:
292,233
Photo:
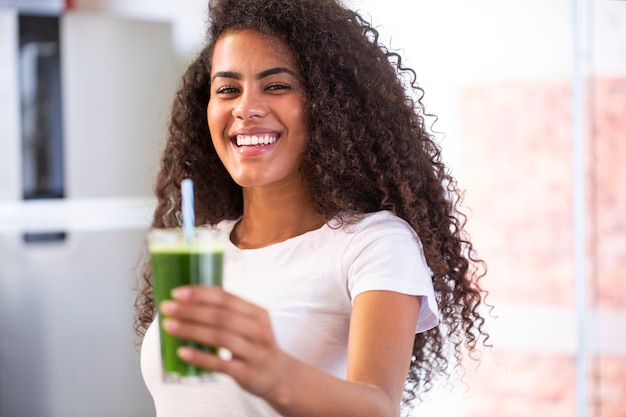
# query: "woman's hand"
214,317
382,326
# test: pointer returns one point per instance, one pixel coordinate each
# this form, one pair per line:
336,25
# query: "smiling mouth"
255,140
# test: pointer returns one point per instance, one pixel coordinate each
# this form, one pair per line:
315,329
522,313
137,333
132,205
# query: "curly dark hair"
368,150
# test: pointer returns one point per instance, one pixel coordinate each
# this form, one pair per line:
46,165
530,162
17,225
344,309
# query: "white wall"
188,17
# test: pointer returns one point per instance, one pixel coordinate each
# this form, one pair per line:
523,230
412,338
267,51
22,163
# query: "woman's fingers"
205,312
215,296
213,317
238,342
258,378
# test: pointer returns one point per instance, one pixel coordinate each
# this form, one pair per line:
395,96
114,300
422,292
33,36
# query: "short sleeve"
386,255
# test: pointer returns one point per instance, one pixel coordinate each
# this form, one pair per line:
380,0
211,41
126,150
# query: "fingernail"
168,307
181,293
171,325
185,352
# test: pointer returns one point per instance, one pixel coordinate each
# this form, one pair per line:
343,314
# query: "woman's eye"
278,87
226,90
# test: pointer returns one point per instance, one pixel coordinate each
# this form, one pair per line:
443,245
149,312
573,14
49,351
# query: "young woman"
348,271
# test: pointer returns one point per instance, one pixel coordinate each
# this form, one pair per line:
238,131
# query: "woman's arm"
382,330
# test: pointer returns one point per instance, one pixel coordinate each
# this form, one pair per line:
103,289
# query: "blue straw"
188,213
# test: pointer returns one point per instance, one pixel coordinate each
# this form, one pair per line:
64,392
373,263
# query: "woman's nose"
250,104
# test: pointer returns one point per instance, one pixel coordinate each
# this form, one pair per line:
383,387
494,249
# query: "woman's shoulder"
383,221
377,229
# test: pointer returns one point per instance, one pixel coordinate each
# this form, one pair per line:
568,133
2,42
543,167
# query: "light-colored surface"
10,151
66,307
118,82
67,343
88,215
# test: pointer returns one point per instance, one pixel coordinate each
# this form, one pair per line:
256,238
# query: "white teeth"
253,140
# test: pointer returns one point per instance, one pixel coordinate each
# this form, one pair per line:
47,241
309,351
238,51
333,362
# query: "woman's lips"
255,140
251,145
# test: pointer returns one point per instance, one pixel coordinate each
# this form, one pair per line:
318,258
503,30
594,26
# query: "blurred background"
530,105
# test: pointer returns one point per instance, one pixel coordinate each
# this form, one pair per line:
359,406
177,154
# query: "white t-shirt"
307,284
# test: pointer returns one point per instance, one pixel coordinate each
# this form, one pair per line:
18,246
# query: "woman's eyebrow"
226,74
274,71
260,75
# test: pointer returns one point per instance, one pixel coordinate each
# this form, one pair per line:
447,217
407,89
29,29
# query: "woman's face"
256,111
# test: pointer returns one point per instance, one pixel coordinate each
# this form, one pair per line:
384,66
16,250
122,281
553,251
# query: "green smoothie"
176,263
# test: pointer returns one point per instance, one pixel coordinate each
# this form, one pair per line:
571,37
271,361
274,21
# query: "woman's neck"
273,216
